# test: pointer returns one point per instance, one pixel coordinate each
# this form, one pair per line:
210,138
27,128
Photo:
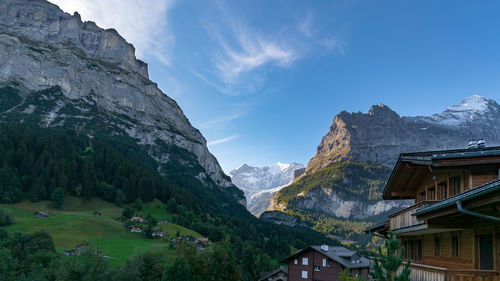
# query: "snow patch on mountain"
472,109
260,183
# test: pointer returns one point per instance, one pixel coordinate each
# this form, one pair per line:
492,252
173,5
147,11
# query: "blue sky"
263,80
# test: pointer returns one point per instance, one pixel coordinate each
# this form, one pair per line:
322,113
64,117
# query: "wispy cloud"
143,23
223,140
251,51
221,121
305,25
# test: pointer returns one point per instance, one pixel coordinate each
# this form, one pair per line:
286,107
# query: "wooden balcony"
422,272
404,220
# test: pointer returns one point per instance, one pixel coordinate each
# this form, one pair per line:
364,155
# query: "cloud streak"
251,51
143,23
223,140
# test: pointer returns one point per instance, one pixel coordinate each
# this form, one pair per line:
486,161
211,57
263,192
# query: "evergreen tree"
179,270
138,204
57,198
387,262
120,198
127,212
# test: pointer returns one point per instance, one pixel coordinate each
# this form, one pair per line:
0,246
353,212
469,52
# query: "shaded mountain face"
260,183
57,71
381,134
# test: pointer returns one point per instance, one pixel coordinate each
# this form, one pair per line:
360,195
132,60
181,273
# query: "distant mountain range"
345,178
260,183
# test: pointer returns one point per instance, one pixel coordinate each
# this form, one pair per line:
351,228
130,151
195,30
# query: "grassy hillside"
350,179
74,223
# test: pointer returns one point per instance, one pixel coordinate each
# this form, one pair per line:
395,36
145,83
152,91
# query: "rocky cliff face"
260,183
376,139
381,134
98,76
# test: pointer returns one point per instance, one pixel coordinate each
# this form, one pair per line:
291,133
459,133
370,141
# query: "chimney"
481,143
324,248
472,144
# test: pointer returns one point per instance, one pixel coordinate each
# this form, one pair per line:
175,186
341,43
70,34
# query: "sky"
263,80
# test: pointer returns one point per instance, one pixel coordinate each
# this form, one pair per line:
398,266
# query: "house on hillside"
277,275
165,221
40,214
135,228
97,214
452,232
139,219
325,263
157,233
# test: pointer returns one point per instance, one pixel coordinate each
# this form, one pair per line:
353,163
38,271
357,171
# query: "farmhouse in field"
40,214
164,221
452,232
97,214
325,263
135,228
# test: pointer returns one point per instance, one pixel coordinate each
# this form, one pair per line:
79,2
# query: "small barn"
40,214
97,214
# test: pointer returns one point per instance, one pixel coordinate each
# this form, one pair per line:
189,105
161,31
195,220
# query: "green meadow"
74,223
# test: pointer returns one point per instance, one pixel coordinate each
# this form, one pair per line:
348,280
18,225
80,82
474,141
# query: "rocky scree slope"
57,71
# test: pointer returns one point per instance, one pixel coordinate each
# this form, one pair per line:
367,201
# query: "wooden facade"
452,232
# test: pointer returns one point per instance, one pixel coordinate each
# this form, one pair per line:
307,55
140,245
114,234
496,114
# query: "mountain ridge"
42,47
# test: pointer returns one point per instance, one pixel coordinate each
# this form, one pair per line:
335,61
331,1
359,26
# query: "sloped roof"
267,275
435,159
339,254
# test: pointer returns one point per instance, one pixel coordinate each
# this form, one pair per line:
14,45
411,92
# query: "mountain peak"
474,103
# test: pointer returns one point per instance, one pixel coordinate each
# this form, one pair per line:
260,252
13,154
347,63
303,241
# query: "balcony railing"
405,218
421,272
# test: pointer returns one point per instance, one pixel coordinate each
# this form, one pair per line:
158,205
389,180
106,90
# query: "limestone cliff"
103,87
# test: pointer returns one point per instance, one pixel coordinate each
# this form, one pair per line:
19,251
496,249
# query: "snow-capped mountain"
263,182
474,108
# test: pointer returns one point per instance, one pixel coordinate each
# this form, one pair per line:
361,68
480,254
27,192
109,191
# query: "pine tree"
388,263
120,198
57,198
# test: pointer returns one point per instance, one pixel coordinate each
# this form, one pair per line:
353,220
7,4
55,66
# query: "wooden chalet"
325,262
452,232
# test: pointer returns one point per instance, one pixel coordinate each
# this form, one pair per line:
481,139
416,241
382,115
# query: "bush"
5,217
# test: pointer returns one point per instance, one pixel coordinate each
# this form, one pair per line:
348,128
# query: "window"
455,246
421,196
295,261
455,186
443,191
418,244
324,262
304,274
437,247
411,249
405,246
316,268
305,261
431,194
